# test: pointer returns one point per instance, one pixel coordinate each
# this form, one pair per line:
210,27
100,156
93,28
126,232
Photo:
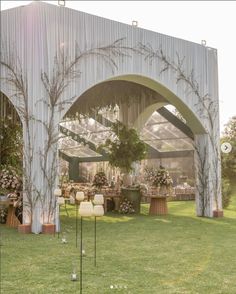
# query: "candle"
73,277
63,240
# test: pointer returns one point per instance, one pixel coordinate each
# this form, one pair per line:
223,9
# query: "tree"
229,159
11,143
126,148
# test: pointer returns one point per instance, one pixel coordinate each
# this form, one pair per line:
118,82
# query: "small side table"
158,205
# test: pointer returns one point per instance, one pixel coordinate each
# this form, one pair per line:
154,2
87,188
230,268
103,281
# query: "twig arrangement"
17,79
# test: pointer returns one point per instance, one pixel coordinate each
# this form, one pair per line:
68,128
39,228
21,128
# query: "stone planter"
218,213
48,229
133,195
24,228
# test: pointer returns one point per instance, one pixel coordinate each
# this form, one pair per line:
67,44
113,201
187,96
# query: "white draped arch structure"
52,55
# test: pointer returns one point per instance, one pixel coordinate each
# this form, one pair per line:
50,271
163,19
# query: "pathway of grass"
179,253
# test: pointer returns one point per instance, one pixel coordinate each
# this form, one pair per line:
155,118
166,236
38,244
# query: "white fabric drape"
35,33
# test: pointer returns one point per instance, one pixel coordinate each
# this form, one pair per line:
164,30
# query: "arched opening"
11,134
11,167
163,121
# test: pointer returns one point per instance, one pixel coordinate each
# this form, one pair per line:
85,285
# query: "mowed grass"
178,253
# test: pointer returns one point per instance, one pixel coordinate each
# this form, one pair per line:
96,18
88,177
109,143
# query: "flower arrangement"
150,174
126,207
162,178
100,180
3,215
9,180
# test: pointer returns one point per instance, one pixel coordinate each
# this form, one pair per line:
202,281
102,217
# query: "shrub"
226,193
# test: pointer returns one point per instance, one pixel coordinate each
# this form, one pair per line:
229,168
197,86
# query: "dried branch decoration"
207,110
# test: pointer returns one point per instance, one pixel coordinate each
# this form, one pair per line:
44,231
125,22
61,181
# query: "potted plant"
123,152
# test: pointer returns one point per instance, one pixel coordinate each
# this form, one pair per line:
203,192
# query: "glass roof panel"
89,129
72,148
158,132
164,136
80,152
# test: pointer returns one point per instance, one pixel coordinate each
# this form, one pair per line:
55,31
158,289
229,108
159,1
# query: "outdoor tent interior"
87,125
7,109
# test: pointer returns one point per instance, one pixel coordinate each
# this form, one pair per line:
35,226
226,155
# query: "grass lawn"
178,253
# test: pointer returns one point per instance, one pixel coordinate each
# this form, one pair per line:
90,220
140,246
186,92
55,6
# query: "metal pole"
81,245
55,221
76,225
95,241
59,224
0,262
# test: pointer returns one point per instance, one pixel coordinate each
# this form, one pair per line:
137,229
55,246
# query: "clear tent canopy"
82,137
88,122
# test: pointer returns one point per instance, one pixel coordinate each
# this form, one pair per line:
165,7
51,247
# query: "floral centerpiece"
162,180
100,180
126,207
150,174
9,181
10,186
